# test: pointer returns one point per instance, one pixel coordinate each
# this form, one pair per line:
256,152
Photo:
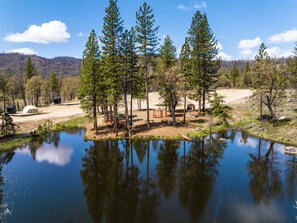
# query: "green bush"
7,127
219,109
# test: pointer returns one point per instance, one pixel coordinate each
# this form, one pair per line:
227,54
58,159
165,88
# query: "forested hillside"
62,66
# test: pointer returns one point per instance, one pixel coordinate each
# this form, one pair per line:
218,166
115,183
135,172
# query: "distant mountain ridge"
70,66
64,66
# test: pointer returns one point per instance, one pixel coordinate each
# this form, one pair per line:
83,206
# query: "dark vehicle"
11,109
57,100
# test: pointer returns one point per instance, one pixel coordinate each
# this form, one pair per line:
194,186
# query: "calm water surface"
67,179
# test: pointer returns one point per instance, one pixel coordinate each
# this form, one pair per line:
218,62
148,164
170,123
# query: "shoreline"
19,140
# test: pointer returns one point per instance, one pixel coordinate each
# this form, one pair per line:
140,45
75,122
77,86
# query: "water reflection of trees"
114,189
51,138
265,181
167,167
197,174
5,157
36,143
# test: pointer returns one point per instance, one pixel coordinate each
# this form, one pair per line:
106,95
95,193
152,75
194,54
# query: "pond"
66,179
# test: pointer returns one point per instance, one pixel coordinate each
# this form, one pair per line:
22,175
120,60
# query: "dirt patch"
56,113
160,127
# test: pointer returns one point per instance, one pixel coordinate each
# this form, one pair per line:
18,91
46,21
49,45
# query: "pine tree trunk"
185,108
173,114
25,102
147,96
199,101
131,112
13,99
115,118
204,100
95,113
106,112
126,113
110,113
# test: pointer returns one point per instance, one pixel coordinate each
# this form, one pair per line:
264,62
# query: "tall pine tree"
54,85
185,71
90,72
4,87
147,41
204,57
259,66
129,71
168,79
111,40
29,70
234,75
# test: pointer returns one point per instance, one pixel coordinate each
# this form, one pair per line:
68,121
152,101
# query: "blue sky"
53,28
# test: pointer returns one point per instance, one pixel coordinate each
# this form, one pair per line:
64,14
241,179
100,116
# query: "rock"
284,118
291,150
198,129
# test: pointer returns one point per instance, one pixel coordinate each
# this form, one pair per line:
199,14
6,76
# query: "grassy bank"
246,117
284,133
75,122
20,139
206,132
13,143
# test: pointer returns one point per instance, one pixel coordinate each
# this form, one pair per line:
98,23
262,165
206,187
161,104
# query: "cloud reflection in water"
48,153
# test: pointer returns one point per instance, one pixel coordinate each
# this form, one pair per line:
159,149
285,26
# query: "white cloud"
26,51
53,31
277,52
220,46
225,56
194,5
200,6
285,37
247,54
249,43
183,7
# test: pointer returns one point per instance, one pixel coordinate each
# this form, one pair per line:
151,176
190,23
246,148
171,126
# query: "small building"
30,109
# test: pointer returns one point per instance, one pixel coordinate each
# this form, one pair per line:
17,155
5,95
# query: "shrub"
219,108
7,127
